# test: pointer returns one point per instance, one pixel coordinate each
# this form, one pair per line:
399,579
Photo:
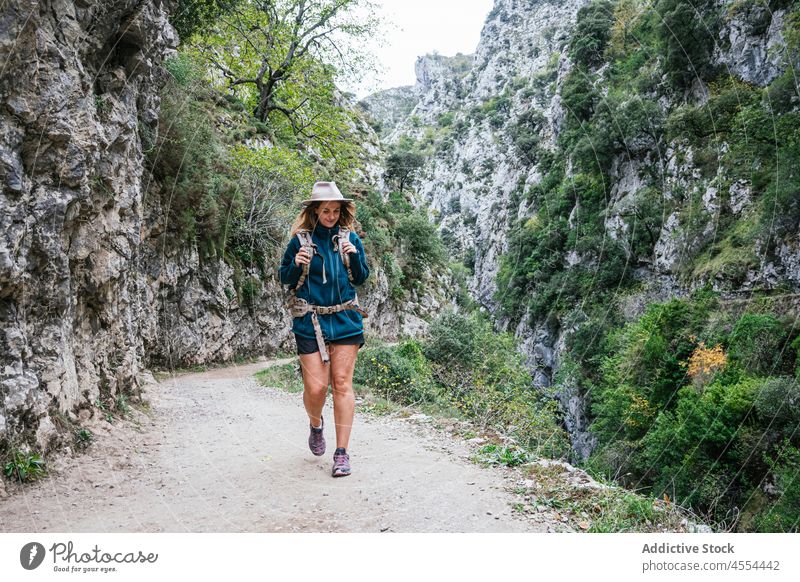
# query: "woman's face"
328,213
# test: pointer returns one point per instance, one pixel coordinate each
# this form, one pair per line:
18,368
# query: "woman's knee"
316,389
342,383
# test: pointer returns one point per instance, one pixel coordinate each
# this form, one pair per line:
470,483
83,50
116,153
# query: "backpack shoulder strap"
304,236
344,235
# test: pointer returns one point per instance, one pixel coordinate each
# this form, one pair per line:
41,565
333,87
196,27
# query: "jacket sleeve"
289,271
358,261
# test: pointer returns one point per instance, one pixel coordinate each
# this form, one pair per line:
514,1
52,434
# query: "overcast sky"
420,27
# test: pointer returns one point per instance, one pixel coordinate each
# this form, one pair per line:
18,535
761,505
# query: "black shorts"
309,346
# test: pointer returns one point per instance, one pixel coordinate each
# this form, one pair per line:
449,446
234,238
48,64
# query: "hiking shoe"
341,463
316,442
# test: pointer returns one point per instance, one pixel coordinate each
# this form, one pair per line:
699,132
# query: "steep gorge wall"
476,184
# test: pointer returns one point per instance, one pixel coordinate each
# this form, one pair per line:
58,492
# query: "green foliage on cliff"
678,394
197,16
695,399
687,32
591,34
615,116
229,200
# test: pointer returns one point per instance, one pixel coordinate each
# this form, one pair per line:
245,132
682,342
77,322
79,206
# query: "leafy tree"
402,167
687,31
626,17
268,177
283,56
525,134
197,16
578,96
591,33
420,243
757,343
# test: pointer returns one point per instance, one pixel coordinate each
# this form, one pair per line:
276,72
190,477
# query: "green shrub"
482,374
419,240
452,339
25,466
691,454
525,135
183,68
687,32
446,119
778,404
578,96
591,34
783,94
784,514
757,343
400,374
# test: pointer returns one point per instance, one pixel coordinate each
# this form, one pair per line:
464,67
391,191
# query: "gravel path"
219,453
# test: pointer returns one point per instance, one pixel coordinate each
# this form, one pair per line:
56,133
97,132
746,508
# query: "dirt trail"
219,453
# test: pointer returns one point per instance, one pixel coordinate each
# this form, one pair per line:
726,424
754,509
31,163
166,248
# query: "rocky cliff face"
390,107
91,290
471,182
80,82
476,182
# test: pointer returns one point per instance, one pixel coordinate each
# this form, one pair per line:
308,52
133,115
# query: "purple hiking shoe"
316,442
341,463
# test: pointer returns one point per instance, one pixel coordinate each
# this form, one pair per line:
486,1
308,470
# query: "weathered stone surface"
753,39
75,83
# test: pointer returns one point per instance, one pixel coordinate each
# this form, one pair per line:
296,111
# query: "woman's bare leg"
316,377
343,362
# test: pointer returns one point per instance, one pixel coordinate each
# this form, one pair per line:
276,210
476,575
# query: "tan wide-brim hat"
325,192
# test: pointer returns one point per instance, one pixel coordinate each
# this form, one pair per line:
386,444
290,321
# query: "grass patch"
599,507
83,438
378,406
285,376
510,456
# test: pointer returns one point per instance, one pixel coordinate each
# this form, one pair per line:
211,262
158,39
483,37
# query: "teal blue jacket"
336,288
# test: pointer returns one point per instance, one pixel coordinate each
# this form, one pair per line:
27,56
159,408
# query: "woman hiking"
322,264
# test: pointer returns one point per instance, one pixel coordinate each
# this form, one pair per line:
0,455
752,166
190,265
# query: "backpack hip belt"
299,307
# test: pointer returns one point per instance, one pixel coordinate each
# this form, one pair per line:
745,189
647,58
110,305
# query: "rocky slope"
390,107
477,181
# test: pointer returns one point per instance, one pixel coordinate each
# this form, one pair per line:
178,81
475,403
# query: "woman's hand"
302,257
348,247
